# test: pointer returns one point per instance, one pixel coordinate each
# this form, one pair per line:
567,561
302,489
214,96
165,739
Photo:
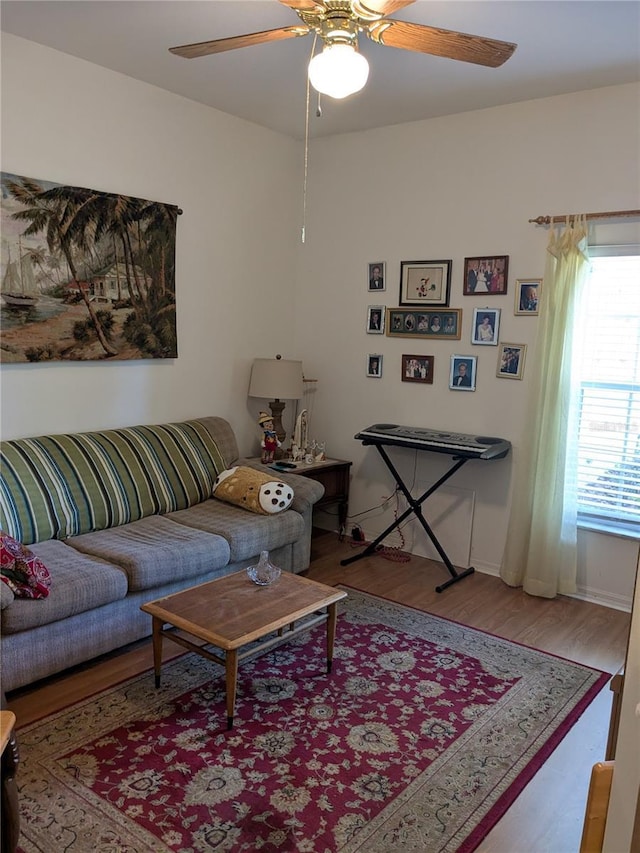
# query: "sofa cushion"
24,573
253,490
155,551
34,502
56,486
79,583
246,534
222,433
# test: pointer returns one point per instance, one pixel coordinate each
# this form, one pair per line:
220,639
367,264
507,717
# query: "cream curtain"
540,553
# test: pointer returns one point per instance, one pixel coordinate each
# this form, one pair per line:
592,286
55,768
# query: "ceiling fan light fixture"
338,71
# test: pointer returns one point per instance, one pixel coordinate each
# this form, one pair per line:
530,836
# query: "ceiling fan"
340,70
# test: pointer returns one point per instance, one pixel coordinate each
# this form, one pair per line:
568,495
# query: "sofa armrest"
306,492
6,596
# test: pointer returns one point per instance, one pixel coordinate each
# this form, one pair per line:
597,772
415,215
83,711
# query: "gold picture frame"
511,361
444,323
527,296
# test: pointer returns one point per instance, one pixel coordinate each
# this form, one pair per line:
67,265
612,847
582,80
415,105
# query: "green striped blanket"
56,486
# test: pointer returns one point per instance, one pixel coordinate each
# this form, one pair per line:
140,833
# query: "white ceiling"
562,47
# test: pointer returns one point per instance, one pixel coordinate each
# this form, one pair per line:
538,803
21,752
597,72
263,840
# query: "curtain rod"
611,214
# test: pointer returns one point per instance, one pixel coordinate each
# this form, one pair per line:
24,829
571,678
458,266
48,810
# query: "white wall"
450,188
69,121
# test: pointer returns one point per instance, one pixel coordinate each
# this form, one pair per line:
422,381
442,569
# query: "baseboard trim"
606,599
592,596
588,594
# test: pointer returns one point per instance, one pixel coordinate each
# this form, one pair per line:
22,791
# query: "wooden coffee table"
232,612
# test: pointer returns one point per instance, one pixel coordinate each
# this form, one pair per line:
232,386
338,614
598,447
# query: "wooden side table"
334,475
615,685
10,814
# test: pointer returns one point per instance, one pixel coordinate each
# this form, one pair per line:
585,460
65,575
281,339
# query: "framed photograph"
377,276
413,323
417,368
462,376
374,365
375,319
511,361
486,324
425,282
527,295
485,275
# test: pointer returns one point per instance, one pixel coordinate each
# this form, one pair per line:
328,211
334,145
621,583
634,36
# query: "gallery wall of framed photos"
427,309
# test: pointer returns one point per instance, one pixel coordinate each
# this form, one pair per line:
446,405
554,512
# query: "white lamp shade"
276,379
338,71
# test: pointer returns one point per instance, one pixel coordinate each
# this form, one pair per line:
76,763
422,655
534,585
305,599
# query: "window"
608,375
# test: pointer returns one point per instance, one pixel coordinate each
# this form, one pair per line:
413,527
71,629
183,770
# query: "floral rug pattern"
420,739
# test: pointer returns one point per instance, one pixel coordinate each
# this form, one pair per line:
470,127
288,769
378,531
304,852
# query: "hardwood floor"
548,815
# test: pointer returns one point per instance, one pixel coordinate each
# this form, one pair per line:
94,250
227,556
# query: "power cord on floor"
395,554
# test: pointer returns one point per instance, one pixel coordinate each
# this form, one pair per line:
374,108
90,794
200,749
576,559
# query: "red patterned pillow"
24,573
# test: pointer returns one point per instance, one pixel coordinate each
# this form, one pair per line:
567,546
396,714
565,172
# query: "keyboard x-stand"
459,446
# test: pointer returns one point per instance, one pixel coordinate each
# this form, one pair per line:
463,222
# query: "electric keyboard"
421,438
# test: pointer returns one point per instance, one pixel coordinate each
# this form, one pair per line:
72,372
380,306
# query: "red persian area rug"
420,739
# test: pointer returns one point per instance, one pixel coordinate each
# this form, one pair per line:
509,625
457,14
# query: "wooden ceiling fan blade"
447,43
304,5
365,8
205,48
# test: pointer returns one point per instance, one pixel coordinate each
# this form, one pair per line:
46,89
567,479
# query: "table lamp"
280,379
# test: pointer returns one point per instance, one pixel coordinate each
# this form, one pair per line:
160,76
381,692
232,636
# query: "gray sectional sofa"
121,517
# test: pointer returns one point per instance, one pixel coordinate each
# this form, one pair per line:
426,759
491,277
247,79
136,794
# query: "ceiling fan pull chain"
306,149
306,166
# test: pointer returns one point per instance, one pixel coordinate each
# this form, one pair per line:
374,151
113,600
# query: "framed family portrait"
377,276
417,368
412,323
485,275
528,295
375,319
486,324
374,365
462,375
511,361
425,282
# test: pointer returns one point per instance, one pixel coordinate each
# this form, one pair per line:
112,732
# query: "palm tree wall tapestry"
86,275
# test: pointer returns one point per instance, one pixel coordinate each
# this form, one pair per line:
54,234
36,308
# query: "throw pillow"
253,490
24,573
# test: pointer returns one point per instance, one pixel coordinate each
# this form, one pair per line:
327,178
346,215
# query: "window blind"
608,467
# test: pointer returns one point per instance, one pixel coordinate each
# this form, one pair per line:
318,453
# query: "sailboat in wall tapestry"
19,284
86,275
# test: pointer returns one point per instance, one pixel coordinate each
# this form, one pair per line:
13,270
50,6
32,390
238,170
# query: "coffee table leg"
332,618
157,647
231,666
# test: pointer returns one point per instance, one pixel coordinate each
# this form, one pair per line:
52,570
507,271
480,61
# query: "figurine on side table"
300,437
270,441
319,452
